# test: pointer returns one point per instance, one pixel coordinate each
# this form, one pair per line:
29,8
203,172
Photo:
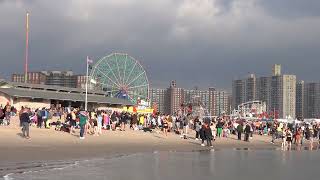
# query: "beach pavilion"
38,96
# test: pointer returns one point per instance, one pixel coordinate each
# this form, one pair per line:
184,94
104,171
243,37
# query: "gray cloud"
196,42
292,8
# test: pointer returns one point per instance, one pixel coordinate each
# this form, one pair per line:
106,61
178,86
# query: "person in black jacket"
239,130
25,120
247,132
208,134
202,134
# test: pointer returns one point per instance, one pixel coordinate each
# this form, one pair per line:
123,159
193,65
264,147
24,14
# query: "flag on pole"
89,61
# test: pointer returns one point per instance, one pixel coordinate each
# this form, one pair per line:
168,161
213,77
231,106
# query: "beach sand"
51,145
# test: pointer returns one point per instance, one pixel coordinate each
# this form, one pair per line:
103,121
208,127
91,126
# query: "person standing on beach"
178,125
134,121
206,134
106,120
185,127
214,130
83,121
297,136
45,117
39,118
202,134
197,127
113,121
239,130
99,122
289,138
247,131
303,128
219,128
25,121
165,126
273,132
73,121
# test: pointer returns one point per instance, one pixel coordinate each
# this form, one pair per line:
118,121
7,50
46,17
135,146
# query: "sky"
204,43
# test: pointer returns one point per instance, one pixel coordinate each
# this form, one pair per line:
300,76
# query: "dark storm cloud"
197,42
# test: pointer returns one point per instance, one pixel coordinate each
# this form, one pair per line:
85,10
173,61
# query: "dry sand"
48,144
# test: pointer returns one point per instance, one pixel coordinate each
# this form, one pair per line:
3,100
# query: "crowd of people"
295,133
5,114
206,129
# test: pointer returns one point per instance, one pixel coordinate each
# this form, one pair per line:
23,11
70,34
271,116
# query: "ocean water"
200,165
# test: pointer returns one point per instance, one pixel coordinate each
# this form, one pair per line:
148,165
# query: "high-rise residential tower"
244,90
300,99
276,70
157,97
250,88
283,95
238,93
312,100
174,99
264,91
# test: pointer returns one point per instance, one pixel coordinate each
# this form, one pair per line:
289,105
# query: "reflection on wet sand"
310,147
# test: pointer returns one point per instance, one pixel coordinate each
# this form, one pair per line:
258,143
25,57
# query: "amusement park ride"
121,76
196,108
252,110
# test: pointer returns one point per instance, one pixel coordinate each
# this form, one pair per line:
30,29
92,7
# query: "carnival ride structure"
121,76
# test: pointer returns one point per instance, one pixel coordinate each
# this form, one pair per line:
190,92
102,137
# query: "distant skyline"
204,43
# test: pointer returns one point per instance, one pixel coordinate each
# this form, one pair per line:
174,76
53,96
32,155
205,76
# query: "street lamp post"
86,99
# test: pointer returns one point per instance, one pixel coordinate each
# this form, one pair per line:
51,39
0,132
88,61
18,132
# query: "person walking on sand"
208,134
25,120
83,116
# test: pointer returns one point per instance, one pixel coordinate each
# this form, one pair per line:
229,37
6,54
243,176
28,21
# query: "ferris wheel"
121,76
